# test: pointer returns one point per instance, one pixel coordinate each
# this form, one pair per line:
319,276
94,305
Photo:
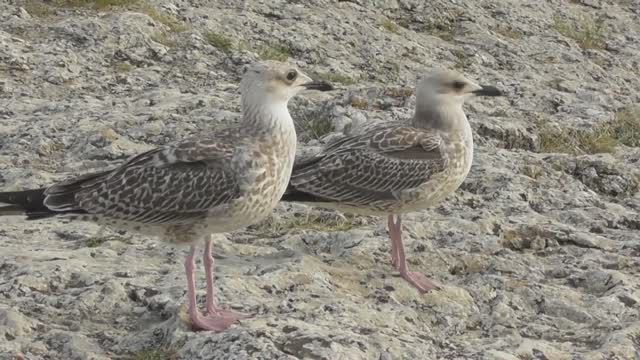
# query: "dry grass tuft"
318,128
337,78
274,52
219,41
588,32
155,354
390,26
623,129
41,8
359,103
326,222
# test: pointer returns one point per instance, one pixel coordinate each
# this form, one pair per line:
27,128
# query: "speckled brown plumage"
213,183
398,167
371,171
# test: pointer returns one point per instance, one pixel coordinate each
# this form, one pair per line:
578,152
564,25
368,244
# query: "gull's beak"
486,90
318,85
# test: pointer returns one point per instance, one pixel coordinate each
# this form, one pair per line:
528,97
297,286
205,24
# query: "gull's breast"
458,158
272,160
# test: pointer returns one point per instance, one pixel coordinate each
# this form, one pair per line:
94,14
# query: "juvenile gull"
185,191
392,169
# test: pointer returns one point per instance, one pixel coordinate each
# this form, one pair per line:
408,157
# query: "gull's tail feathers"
49,201
294,195
26,202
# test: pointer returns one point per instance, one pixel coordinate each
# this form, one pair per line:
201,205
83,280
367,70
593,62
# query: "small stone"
23,14
139,310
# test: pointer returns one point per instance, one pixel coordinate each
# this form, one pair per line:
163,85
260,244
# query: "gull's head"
276,82
450,87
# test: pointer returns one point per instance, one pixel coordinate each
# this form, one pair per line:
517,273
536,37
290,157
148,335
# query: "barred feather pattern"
184,190
387,168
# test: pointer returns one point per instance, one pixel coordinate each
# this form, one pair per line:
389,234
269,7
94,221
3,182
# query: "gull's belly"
431,193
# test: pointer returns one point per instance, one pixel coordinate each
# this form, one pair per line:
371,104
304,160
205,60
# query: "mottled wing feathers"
169,184
61,196
371,167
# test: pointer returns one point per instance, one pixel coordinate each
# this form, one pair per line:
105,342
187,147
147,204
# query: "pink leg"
211,303
392,235
418,280
218,321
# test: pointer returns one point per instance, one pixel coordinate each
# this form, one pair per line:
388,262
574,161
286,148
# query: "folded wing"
171,184
376,165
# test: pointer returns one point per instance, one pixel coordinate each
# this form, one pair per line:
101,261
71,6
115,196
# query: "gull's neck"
445,117
450,122
267,116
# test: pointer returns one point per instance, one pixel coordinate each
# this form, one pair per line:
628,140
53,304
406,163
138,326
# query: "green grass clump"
623,129
219,41
600,140
399,92
359,103
626,126
175,25
443,25
462,61
318,128
273,227
95,4
123,67
37,8
155,354
509,31
168,20
574,141
337,78
164,39
98,240
588,32
390,26
95,241
274,52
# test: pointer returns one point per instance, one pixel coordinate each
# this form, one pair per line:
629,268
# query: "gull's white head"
273,82
450,87
439,99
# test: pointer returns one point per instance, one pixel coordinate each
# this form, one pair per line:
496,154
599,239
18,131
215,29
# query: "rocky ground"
538,251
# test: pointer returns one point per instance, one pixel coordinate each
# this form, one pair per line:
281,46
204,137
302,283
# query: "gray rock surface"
538,252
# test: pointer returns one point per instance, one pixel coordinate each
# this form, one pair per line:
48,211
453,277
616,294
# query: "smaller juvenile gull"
183,192
391,169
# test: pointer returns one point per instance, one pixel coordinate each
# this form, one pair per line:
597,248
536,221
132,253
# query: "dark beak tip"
319,85
489,91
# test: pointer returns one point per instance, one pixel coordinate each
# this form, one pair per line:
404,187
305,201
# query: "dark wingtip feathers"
27,202
294,195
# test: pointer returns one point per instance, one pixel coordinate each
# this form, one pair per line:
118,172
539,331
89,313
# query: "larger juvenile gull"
397,168
185,191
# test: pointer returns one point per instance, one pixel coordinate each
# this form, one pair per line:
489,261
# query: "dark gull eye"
458,85
291,75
